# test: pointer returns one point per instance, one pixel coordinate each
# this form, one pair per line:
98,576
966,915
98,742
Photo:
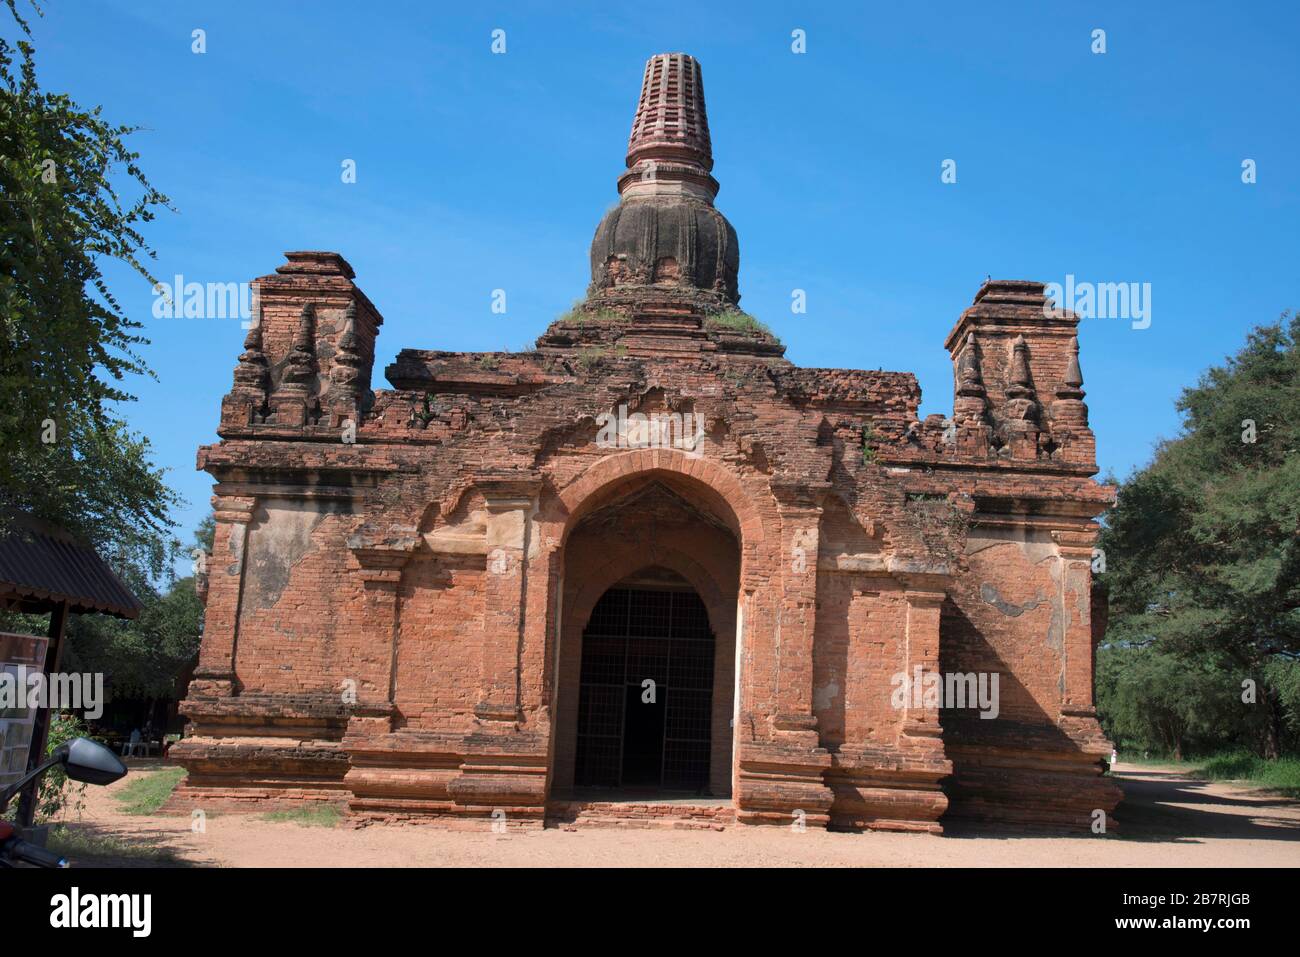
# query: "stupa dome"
665,240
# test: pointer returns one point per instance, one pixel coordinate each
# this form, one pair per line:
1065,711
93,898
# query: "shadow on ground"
95,845
1161,806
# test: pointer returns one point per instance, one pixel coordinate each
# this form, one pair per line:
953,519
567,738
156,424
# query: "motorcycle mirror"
91,763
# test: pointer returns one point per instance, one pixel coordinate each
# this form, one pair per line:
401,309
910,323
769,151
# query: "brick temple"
650,568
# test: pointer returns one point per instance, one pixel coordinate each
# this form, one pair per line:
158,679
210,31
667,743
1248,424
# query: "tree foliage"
1203,547
143,658
67,346
57,793
1157,700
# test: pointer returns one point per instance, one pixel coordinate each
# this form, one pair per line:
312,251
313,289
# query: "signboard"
20,656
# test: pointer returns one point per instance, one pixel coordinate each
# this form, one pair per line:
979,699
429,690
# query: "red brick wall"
296,630
439,644
861,634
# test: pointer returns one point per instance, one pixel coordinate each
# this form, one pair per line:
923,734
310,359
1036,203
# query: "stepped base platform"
651,809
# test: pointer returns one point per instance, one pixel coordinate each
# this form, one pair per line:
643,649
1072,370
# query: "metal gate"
636,634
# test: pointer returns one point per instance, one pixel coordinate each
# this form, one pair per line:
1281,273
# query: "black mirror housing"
91,763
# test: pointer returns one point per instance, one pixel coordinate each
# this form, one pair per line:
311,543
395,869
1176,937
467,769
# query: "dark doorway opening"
645,700
643,739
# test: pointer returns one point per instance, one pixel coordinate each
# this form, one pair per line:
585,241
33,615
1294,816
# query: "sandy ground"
1169,820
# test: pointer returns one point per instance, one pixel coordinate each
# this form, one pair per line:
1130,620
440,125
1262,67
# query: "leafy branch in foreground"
66,343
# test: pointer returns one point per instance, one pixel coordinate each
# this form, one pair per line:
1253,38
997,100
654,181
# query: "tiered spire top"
669,149
670,119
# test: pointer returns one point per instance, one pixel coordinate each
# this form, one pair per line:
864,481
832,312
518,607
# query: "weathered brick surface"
572,815
398,619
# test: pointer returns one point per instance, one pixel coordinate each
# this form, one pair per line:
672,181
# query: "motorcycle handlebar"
23,851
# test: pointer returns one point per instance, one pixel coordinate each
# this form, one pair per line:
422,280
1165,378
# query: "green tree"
142,659
1203,548
66,343
1152,698
56,792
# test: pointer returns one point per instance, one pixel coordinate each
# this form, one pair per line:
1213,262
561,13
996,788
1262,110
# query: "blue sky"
478,171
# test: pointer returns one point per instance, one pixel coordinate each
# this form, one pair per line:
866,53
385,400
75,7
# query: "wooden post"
41,726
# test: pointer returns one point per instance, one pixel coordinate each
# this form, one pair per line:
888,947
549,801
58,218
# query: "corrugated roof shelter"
41,565
46,570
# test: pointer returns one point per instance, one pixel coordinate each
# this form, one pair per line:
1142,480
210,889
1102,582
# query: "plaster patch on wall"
825,695
279,538
235,543
1077,583
989,593
480,531
1079,587
1060,613
1034,544
465,536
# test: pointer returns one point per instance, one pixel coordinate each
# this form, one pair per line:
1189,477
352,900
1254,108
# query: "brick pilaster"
924,602
511,502
215,674
782,780
380,570
1075,548
800,510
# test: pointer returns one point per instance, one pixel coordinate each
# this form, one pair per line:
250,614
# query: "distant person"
133,743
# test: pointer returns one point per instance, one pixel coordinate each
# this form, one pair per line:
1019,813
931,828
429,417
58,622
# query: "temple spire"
665,246
971,395
246,404
970,381
302,358
1073,374
1022,402
1068,411
346,393
669,151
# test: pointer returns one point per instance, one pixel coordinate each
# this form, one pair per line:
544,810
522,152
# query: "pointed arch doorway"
648,592
646,688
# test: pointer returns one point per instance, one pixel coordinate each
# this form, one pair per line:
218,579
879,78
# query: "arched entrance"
648,592
645,698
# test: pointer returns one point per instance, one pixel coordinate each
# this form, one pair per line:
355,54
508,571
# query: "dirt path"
1168,820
